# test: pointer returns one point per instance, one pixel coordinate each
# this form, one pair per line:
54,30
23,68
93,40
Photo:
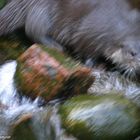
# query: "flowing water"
113,82
12,107
44,118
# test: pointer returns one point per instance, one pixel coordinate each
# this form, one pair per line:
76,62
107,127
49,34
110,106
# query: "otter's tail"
12,16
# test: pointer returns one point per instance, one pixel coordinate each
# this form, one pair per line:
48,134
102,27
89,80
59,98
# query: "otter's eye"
132,53
130,49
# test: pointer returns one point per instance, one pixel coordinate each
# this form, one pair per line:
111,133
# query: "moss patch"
101,118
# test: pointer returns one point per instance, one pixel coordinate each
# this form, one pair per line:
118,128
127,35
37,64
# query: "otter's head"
117,25
127,59
127,55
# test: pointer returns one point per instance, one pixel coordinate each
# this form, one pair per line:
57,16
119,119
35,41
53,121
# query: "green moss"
10,49
101,117
23,131
2,3
26,90
66,61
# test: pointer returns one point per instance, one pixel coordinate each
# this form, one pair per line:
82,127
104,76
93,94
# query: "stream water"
12,107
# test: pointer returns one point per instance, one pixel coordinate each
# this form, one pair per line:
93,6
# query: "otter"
89,28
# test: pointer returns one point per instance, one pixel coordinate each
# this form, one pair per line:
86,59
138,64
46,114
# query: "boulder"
43,124
48,73
22,129
101,118
10,48
2,3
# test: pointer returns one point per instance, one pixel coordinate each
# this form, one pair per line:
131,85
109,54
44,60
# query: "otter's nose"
131,48
132,52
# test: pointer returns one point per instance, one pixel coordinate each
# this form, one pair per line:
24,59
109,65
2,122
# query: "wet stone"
10,48
43,124
101,118
2,3
48,73
22,129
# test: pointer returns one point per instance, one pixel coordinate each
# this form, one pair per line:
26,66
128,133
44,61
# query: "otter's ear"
134,3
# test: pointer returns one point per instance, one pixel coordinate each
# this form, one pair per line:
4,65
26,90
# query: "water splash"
8,92
113,82
42,121
105,82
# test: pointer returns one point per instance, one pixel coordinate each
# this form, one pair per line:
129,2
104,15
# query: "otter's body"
91,28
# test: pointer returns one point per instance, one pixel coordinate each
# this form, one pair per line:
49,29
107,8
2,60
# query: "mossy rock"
62,58
47,73
2,3
35,126
22,129
101,118
10,48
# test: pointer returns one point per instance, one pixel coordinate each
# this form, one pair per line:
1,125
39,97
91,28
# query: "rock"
2,3
101,118
46,123
22,129
47,73
43,124
11,48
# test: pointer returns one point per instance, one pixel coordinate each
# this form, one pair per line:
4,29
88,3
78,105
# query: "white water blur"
15,107
113,82
105,82
8,93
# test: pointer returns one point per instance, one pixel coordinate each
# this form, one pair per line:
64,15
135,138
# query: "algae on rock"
47,73
101,118
10,48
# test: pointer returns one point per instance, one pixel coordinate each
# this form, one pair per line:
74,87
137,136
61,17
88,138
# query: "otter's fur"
90,28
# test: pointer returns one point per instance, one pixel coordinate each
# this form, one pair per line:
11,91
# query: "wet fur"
88,28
